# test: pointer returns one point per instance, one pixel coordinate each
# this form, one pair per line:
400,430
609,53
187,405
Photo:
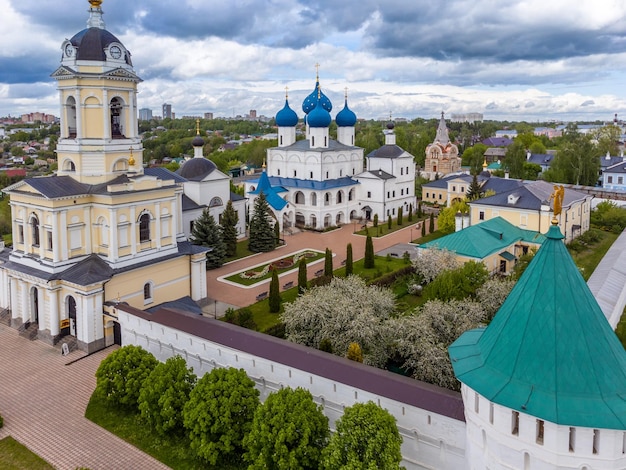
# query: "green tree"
303,283
274,296
328,263
229,229
375,222
368,261
354,352
262,237
423,228
431,226
289,432
219,415
474,157
409,216
164,393
367,438
207,233
349,262
419,210
389,222
474,191
514,159
446,221
120,376
458,283
576,162
400,215
277,232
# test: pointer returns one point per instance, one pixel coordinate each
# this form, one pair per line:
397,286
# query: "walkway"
336,240
43,402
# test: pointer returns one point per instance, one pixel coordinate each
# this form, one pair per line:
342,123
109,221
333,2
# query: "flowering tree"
433,261
492,294
343,312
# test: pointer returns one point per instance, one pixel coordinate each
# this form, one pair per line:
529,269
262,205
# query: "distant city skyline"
508,60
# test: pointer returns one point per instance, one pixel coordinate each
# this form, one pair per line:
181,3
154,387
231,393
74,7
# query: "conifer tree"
274,296
229,229
474,190
375,220
423,228
389,222
328,263
410,215
349,266
399,216
207,233
262,237
431,226
277,232
368,261
302,278
419,210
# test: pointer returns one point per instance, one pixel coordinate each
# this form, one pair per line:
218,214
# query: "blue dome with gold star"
310,102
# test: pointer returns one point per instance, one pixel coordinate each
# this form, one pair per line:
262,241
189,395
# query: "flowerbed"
262,272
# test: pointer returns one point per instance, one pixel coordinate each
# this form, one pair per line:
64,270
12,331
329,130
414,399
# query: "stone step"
5,317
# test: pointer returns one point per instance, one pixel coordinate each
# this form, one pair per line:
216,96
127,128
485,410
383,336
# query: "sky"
532,60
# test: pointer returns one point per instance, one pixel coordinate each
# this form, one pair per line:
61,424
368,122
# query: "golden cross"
346,93
286,92
317,71
198,126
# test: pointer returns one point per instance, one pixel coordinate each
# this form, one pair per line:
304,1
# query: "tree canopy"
207,233
262,237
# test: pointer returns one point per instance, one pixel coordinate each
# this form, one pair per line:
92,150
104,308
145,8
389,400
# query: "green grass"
383,229
15,456
249,282
588,259
382,265
429,237
173,451
242,251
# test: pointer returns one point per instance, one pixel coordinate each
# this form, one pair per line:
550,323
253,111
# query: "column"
63,108
14,224
157,208
56,255
63,235
87,220
177,222
13,302
26,313
54,312
132,116
42,236
79,115
41,310
98,316
106,118
133,231
113,243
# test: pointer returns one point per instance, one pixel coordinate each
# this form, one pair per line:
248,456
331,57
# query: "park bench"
394,254
288,285
343,263
261,296
319,273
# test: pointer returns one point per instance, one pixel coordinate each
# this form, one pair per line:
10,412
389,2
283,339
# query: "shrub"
388,279
277,330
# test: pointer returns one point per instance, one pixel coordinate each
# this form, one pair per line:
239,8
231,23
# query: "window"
312,141
427,195
481,215
515,423
454,189
620,180
314,199
281,141
147,292
352,170
440,196
216,201
144,228
20,233
34,224
339,197
596,441
540,426
407,170
491,413
572,439
369,194
310,174
191,226
401,171
476,403
462,189
393,211
351,195
388,194
278,171
402,192
609,179
294,173
393,194
326,175
49,240
340,172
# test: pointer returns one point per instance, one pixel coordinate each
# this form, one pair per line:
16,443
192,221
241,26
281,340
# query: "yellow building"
102,230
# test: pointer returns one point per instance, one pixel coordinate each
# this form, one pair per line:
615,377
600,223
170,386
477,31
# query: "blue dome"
346,117
310,101
319,116
286,117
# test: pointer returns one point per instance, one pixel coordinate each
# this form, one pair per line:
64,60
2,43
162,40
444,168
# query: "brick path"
43,403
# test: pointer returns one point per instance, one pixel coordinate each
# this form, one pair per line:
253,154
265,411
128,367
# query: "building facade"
442,156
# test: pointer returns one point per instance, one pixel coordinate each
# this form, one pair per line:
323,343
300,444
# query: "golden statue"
557,196
95,3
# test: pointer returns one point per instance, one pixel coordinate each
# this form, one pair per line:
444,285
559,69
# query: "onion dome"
286,117
391,125
310,102
346,117
196,169
319,116
197,141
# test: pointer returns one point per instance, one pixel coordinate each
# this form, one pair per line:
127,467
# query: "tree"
419,210
277,232
423,224
409,216
368,261
289,432
229,229
120,376
431,226
389,222
328,263
344,311
302,277
474,191
432,262
349,263
514,159
274,296
576,162
164,394
458,283
354,352
262,237
446,221
219,415
207,233
367,438
492,294
375,222
399,216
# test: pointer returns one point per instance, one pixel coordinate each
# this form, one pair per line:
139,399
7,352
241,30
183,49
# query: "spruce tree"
274,296
302,278
262,237
410,216
368,261
431,226
389,222
399,216
419,210
328,263
277,232
474,192
423,228
207,233
349,266
229,229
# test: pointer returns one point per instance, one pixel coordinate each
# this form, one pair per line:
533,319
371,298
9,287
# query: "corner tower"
98,97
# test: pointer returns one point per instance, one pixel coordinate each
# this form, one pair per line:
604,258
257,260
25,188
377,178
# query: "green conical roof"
549,351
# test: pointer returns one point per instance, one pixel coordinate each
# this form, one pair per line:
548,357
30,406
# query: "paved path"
336,240
43,403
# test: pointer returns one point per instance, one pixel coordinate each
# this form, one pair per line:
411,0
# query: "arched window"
314,199
339,197
216,201
34,225
326,199
121,165
70,114
299,198
68,165
351,195
144,228
147,292
117,128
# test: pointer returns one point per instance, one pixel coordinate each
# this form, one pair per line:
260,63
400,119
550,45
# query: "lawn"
429,237
588,259
383,229
312,255
242,251
15,456
173,451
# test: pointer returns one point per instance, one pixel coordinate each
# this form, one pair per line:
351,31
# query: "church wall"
430,440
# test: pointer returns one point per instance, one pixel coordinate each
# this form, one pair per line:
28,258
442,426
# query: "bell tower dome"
98,95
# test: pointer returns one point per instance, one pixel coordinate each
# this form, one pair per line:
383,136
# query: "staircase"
71,341
29,330
5,317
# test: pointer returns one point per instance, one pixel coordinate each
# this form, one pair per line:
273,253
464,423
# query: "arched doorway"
71,314
339,218
300,220
34,305
117,333
327,220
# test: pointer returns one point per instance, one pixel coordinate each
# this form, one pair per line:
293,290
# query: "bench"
343,263
319,273
261,296
288,285
394,254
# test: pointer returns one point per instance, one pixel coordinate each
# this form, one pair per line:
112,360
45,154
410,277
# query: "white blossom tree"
343,312
433,261
492,294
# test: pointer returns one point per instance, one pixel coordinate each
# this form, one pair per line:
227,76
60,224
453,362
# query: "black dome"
390,125
90,44
196,169
197,141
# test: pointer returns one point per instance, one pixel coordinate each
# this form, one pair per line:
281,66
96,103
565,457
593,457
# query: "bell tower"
98,96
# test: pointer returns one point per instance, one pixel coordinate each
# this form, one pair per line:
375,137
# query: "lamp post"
215,309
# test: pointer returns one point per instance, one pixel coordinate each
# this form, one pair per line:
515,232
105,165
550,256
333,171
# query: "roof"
305,144
387,151
541,158
184,304
487,182
549,351
529,196
264,186
91,270
189,204
92,42
163,173
497,142
610,161
378,174
617,168
296,183
442,132
484,239
196,169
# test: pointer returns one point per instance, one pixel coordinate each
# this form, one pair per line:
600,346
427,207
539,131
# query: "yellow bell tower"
98,96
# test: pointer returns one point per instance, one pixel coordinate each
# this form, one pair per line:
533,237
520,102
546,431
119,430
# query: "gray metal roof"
386,151
306,145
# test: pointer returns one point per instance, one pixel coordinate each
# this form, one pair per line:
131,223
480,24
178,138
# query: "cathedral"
319,182
442,156
103,230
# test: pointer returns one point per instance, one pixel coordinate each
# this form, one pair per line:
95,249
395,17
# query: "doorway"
71,313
